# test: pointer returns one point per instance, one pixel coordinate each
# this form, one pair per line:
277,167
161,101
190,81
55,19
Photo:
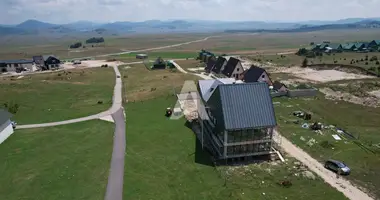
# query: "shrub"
304,62
3,70
373,58
335,61
11,107
344,59
377,63
366,63
362,59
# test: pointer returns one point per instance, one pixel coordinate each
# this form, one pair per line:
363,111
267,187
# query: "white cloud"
62,11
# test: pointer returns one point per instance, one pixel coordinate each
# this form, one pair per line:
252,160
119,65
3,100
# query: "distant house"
207,87
359,46
323,47
141,56
348,46
238,122
256,74
16,65
46,62
221,62
6,128
334,47
233,68
279,87
374,44
210,65
159,64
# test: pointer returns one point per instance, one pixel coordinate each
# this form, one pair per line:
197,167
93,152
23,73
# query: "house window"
263,76
237,69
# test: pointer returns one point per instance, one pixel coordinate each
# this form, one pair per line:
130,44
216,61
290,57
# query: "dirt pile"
344,96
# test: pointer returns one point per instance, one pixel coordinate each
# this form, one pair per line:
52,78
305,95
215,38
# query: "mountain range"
34,27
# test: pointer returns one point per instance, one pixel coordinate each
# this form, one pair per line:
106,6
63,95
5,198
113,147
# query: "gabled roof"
253,74
242,106
230,67
277,85
45,57
324,45
335,46
359,45
376,42
207,87
218,65
4,116
348,45
210,64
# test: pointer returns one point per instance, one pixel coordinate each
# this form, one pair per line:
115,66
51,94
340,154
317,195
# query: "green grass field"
163,161
142,84
361,121
58,96
59,163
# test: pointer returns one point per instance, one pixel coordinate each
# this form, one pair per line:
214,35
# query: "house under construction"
237,121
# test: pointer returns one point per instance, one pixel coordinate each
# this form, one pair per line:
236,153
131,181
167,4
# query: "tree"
377,63
302,52
304,62
95,40
76,45
311,43
373,58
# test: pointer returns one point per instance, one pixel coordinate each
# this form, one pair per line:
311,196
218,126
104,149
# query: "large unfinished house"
237,121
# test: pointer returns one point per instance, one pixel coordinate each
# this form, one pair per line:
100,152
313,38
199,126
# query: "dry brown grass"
186,64
142,84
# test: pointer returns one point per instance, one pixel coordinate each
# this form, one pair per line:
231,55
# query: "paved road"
341,184
116,105
116,175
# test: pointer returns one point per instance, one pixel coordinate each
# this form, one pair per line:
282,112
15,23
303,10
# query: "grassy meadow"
58,96
58,163
165,161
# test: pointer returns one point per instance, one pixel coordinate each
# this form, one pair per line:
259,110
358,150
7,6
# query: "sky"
65,11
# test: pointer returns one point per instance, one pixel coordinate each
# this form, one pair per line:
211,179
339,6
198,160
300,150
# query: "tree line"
95,40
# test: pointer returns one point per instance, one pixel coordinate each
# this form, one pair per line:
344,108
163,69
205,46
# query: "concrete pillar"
225,143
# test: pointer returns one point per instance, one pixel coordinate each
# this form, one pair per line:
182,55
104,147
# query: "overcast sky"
63,11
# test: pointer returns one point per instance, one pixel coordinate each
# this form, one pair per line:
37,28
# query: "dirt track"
340,184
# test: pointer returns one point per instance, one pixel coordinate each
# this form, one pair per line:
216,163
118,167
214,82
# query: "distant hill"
365,24
34,24
156,26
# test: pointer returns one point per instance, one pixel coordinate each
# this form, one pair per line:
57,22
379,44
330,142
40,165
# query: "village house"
6,127
237,122
221,62
233,68
279,87
141,56
210,65
46,62
374,44
256,74
16,65
159,64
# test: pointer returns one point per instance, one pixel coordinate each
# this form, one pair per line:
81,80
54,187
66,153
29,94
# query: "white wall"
237,71
6,130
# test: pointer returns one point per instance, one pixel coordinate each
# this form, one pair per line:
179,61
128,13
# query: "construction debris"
336,137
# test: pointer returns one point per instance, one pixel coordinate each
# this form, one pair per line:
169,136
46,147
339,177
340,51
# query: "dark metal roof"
230,67
210,65
4,116
16,61
277,85
253,74
218,65
242,106
45,57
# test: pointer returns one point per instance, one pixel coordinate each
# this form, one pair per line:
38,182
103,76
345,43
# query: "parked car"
118,76
337,166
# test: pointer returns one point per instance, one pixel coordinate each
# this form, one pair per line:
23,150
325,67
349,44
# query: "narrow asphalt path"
116,105
116,175
341,184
